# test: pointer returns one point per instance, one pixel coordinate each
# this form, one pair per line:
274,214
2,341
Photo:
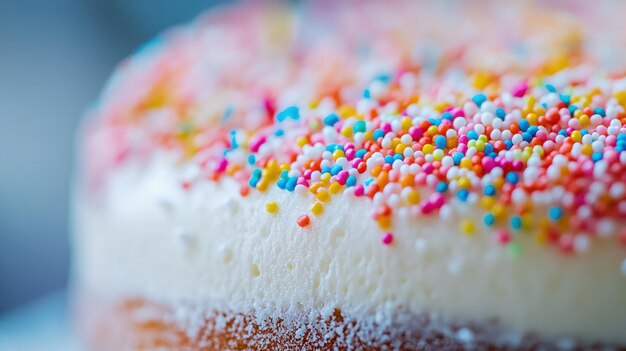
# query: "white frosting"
149,237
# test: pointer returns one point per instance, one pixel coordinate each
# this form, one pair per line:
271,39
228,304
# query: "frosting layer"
147,236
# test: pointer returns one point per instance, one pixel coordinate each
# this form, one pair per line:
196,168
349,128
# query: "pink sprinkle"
428,168
358,190
355,162
427,207
520,89
416,133
221,165
458,112
502,236
438,200
302,181
255,144
350,154
387,238
342,177
488,164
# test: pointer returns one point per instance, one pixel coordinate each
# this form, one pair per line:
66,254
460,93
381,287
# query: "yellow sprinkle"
480,145
400,148
395,142
466,162
325,178
346,111
317,208
302,141
334,188
438,155
285,167
467,227
527,221
337,154
464,183
428,149
315,187
584,120
347,132
413,197
499,211
406,123
432,130
323,196
272,171
587,149
271,207
487,202
498,182
262,185
482,138
621,97
532,118
439,107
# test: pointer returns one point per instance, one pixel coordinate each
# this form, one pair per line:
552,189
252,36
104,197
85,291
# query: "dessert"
357,177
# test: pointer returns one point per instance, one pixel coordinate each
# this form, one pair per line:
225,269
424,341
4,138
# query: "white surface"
40,325
150,238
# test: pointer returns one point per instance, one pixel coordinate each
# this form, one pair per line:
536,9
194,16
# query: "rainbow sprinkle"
541,151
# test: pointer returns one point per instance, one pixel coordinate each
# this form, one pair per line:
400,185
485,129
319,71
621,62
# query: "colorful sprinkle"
271,207
304,221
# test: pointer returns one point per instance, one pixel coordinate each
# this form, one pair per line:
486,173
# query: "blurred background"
55,56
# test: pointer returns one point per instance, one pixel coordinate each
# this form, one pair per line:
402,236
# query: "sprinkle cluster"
540,153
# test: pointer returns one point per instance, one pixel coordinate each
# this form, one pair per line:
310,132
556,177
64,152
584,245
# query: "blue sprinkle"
493,155
572,109
385,78
251,160
442,187
398,157
523,125
228,112
279,132
389,159
472,135
527,137
462,195
516,222
490,190
532,130
479,99
369,181
336,169
488,149
500,113
512,178
292,112
565,99
284,174
441,141
360,153
489,219
257,173
596,156
563,132
325,169
621,137
550,88
378,133
508,143
281,183
584,132
434,121
331,119
351,181
359,126
253,181
291,183
457,157
447,115
599,111
555,213
366,94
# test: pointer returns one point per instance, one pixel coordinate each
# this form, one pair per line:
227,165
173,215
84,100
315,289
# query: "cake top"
509,109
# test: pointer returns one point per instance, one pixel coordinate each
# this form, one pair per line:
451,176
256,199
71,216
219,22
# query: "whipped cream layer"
147,236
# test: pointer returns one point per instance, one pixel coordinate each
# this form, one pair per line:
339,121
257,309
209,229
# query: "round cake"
360,176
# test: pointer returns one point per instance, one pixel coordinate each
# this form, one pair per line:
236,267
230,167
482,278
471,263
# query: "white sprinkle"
465,335
420,245
606,228
581,243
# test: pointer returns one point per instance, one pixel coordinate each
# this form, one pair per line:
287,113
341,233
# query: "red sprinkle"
304,221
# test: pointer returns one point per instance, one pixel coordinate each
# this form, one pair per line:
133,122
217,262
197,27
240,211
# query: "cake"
359,176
